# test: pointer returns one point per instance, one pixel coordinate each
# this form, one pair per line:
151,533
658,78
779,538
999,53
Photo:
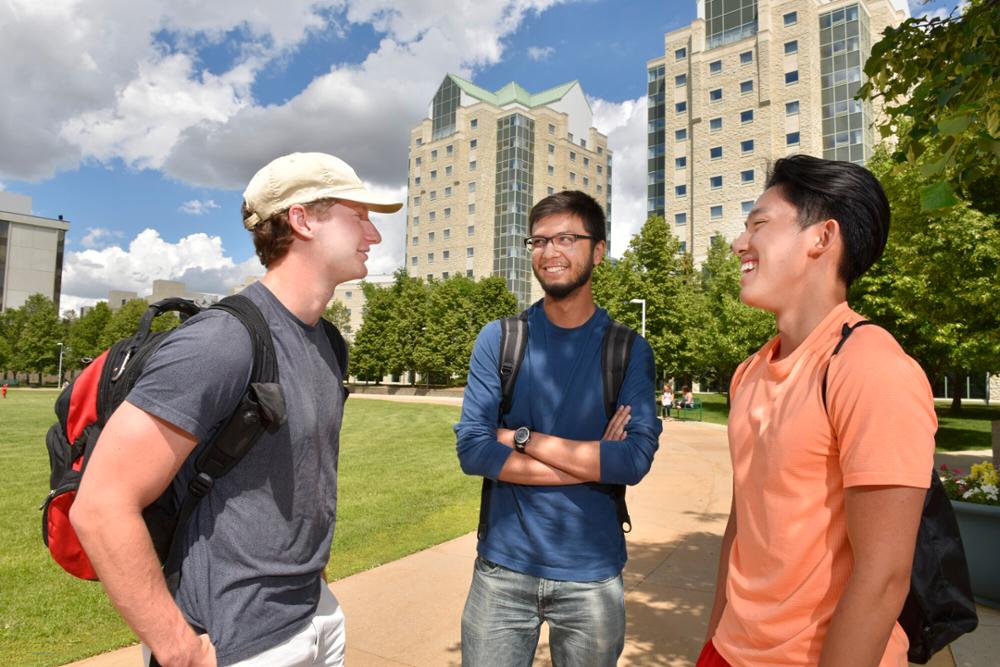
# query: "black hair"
845,192
572,202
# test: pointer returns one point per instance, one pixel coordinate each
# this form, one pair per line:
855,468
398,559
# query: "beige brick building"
31,252
748,82
477,164
353,297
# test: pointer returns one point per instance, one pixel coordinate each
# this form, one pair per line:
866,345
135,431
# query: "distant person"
553,550
252,590
686,399
3,390
832,455
666,401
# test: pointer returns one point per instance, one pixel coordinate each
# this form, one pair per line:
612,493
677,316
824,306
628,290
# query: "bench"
689,411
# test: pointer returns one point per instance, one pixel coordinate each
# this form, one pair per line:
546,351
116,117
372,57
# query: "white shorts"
320,644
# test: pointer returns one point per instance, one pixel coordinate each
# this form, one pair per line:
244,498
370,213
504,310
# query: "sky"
141,121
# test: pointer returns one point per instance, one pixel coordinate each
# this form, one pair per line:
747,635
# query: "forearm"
580,459
522,469
721,576
122,554
863,620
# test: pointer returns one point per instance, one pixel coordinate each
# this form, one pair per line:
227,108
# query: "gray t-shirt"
258,543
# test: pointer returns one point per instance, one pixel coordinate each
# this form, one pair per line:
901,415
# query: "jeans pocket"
487,566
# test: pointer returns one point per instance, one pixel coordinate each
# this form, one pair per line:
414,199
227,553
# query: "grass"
970,429
400,491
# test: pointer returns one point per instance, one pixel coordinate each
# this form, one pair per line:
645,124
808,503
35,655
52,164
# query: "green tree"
445,343
369,353
730,331
339,315
124,322
939,80
935,288
84,335
492,300
36,349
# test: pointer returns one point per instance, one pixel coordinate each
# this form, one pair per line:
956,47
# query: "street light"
643,302
59,381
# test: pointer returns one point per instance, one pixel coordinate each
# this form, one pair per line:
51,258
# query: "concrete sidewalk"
408,612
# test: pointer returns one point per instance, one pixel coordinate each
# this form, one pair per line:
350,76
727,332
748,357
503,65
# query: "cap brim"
371,200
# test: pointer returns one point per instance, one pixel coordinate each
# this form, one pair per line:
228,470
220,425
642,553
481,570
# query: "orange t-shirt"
791,557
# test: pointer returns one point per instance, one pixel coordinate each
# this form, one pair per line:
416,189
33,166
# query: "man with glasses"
553,548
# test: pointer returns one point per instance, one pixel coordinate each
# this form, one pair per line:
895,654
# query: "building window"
473,143
792,108
449,149
447,170
682,248
746,57
470,230
473,124
746,87
715,95
680,80
434,174
715,124
599,189
600,169
472,165
746,146
552,149
792,47
715,67
552,128
681,107
572,156
680,54
433,195
434,154
430,237
791,18
681,134
447,232
746,207
447,213
680,218
420,142
746,176
572,177
551,170
680,162
415,240
416,180
472,186
447,191
446,254
470,251
586,182
746,116
791,77
413,260
586,162
444,274
715,152
715,182
431,216
792,139
472,209
680,190
430,277
600,150
416,200
430,258
418,160
468,273
550,190
715,212
416,220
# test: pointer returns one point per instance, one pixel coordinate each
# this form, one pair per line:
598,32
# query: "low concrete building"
31,252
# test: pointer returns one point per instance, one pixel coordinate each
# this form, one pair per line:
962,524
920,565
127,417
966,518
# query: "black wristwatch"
521,437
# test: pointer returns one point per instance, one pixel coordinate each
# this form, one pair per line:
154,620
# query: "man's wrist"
522,436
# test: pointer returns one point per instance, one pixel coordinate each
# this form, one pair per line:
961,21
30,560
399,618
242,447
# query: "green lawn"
400,491
970,429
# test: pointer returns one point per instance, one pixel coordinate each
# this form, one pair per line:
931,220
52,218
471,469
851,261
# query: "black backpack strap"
845,333
513,342
261,409
339,346
616,350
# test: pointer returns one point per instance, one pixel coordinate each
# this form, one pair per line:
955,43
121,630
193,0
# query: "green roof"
512,92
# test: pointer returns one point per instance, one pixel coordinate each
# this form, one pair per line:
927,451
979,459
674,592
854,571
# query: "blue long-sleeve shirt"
568,533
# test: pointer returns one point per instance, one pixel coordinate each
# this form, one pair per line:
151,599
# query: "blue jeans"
506,609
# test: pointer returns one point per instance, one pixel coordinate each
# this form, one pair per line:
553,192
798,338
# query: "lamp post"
59,381
643,302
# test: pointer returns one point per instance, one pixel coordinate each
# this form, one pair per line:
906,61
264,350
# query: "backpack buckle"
200,485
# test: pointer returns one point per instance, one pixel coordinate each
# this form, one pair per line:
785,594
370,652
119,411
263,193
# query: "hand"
206,656
505,436
615,429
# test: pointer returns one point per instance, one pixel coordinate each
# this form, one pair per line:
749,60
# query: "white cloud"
198,206
625,126
97,236
540,52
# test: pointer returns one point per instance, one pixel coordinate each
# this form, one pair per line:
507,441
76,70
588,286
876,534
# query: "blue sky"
141,121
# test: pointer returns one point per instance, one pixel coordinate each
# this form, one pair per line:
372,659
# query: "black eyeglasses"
564,241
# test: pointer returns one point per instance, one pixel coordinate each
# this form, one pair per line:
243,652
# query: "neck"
795,324
571,311
301,291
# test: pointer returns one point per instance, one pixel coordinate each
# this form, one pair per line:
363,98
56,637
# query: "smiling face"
562,272
774,254
343,237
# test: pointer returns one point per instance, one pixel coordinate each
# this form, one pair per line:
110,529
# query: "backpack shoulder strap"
265,365
513,341
339,346
616,349
845,333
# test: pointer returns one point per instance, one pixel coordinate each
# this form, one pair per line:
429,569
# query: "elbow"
81,517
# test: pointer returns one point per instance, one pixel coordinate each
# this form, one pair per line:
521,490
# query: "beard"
562,290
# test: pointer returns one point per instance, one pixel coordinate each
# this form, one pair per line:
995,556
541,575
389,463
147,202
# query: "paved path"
407,613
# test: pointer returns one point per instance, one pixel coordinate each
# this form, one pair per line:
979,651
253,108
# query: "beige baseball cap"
300,178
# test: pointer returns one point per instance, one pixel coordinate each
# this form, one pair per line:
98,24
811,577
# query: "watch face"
521,435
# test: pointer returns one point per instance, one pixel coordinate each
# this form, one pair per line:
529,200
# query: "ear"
823,237
598,255
299,221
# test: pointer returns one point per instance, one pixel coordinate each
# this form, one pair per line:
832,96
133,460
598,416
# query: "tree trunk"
996,444
956,392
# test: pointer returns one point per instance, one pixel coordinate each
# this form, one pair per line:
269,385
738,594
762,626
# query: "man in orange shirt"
828,484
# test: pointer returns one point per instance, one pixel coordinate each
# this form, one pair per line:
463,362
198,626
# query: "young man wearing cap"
252,589
832,450
553,550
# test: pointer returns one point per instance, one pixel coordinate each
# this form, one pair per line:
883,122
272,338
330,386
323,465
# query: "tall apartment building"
31,252
477,164
748,82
